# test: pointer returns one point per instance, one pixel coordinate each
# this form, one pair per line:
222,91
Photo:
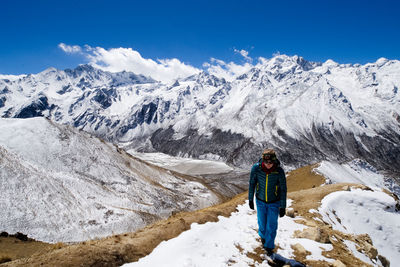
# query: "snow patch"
356,171
226,243
366,212
352,247
183,165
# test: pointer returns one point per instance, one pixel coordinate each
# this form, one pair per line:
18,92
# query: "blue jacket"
268,187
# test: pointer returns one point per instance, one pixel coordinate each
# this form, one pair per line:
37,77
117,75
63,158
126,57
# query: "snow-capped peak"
277,102
330,63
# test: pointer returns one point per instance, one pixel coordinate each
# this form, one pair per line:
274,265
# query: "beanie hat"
269,153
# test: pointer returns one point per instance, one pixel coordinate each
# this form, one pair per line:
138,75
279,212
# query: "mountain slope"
59,184
239,244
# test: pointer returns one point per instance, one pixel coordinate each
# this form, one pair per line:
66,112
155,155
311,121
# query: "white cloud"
228,71
276,54
70,49
164,70
120,59
244,54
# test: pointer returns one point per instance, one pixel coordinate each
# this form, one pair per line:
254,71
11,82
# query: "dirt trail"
130,247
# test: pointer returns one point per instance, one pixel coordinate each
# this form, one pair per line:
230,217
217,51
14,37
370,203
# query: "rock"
21,236
365,246
290,212
338,263
4,234
363,238
385,262
314,233
368,249
346,188
366,188
35,109
311,223
334,238
299,248
371,251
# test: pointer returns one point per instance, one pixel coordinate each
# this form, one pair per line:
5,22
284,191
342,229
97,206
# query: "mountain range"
307,111
75,143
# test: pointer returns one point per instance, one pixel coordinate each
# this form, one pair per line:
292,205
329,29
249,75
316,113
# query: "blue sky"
195,31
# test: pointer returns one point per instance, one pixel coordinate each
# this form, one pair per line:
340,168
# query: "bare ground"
13,248
304,189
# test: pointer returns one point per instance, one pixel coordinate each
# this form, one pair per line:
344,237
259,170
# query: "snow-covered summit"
332,111
283,63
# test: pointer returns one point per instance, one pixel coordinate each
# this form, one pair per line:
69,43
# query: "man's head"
269,157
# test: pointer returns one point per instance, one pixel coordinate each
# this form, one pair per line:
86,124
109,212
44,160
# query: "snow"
183,165
355,171
352,247
11,77
227,242
360,99
366,212
316,249
61,185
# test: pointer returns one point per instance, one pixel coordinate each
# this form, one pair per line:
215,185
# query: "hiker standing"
268,180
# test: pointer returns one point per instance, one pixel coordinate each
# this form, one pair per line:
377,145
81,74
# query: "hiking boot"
270,251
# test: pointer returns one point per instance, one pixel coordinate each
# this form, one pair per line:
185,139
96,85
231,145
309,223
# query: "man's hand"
282,212
251,204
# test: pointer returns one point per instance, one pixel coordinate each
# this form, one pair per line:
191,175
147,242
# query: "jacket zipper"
266,188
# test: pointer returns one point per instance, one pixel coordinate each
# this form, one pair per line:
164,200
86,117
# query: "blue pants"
267,215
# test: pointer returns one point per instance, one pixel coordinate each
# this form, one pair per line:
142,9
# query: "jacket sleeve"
252,182
282,188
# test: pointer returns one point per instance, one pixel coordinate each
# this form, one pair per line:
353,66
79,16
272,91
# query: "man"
268,179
